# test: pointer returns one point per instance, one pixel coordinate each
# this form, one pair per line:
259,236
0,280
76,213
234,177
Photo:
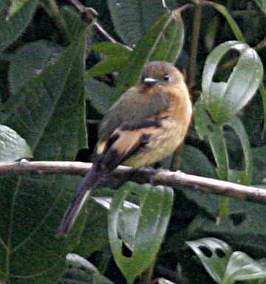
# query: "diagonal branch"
144,175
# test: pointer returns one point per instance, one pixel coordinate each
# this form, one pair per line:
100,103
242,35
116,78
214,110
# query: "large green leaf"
133,18
100,95
155,209
164,41
12,146
224,99
12,27
29,62
49,113
214,255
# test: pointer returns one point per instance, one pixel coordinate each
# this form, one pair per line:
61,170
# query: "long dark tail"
90,181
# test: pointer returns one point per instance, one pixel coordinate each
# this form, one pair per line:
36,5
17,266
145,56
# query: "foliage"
59,73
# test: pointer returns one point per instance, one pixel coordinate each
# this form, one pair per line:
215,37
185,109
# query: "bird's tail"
92,178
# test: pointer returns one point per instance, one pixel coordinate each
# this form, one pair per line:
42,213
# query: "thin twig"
90,15
144,175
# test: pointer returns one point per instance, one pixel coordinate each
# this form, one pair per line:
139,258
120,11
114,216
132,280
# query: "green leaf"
100,95
241,267
77,261
82,272
30,61
133,18
214,254
230,20
261,4
112,49
194,162
12,146
74,23
224,99
13,27
245,176
206,128
115,58
128,219
155,210
259,157
263,96
15,6
168,29
50,116
244,227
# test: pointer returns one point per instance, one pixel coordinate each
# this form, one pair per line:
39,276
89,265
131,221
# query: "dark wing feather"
132,109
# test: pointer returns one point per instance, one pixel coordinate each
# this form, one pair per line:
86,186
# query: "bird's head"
161,73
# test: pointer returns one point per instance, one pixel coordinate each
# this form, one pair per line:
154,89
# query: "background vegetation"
61,67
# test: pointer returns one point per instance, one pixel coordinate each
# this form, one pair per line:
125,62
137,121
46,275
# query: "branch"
144,175
90,15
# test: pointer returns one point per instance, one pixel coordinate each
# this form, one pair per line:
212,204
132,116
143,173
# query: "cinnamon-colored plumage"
145,125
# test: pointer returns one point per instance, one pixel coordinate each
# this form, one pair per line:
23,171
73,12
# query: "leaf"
50,116
15,6
153,47
112,49
259,157
13,27
214,254
100,95
241,267
261,4
230,20
133,18
164,281
245,176
12,146
206,128
74,23
263,97
225,99
244,227
77,261
194,162
115,59
78,276
30,61
155,210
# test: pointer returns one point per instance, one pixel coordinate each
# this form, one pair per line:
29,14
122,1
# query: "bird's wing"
132,109
126,141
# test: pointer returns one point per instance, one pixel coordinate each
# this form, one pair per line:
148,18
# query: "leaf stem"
53,10
194,44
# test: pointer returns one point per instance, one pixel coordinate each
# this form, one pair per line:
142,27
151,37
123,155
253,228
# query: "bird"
145,125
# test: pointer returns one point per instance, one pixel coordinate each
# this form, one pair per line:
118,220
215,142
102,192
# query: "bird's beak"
150,81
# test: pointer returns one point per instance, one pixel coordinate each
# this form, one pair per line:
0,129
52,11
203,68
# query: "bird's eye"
166,77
